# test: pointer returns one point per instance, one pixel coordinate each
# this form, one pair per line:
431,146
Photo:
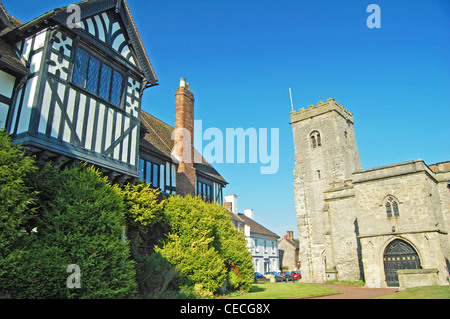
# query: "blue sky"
241,57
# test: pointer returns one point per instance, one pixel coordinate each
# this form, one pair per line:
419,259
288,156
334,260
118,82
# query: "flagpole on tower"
292,102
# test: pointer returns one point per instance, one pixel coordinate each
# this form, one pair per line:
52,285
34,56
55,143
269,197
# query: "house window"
97,77
392,207
204,191
149,173
316,140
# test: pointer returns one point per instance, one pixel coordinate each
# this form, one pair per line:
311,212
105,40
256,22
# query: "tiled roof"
235,217
256,228
293,242
8,57
157,139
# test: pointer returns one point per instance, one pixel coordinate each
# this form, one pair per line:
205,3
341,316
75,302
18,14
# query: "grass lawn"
282,290
435,292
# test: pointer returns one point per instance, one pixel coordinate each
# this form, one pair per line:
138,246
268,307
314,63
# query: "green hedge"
127,243
204,246
83,225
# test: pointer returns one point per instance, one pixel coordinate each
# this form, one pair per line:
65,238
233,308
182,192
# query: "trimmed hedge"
127,243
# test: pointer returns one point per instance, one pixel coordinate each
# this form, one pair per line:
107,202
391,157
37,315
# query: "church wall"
427,245
344,224
342,234
419,214
415,191
443,176
334,160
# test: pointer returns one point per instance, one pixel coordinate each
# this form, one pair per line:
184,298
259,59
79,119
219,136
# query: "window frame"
391,205
202,191
115,70
148,177
315,139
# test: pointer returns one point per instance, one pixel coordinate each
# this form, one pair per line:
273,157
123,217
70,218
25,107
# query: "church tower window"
315,139
392,207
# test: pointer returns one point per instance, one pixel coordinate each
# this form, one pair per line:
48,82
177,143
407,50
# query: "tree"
15,198
146,226
204,246
82,225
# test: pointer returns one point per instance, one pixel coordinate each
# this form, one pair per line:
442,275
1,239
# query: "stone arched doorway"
399,255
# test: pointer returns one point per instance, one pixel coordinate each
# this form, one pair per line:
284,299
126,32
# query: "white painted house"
262,243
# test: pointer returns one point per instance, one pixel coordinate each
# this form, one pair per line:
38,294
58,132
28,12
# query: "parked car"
297,275
277,276
258,275
288,276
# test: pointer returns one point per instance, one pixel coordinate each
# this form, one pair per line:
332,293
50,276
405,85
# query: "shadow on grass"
257,288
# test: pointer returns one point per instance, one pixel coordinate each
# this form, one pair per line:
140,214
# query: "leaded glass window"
149,173
105,77
97,77
92,75
392,207
80,68
116,87
204,191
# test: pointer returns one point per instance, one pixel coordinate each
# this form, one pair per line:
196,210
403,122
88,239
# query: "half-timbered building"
157,167
80,97
71,85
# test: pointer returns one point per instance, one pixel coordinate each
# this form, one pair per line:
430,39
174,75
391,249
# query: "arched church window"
316,140
313,142
392,207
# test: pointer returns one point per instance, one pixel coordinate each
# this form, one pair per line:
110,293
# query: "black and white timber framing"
74,95
50,111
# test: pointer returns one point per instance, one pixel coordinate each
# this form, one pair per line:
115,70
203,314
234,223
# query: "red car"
297,275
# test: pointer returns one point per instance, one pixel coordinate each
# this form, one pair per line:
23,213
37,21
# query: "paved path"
356,292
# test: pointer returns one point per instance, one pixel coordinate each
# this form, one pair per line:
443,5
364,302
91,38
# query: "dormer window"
316,140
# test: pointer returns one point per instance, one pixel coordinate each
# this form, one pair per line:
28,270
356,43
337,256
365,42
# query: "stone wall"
333,161
342,219
420,215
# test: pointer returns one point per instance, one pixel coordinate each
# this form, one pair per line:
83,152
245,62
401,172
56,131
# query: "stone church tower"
325,153
387,225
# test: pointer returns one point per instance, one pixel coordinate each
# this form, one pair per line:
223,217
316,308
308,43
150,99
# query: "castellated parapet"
321,108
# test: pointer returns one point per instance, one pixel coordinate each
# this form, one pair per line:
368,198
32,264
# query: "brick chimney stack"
290,235
184,139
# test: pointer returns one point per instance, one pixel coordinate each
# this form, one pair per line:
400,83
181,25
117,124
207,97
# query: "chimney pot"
184,84
234,203
249,213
